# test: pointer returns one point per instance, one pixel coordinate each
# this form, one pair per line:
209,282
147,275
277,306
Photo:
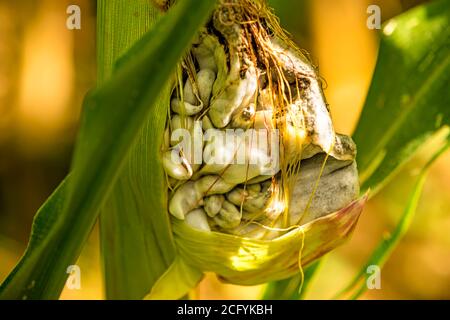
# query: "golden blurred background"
46,69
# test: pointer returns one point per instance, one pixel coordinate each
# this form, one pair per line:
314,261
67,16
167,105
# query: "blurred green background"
46,69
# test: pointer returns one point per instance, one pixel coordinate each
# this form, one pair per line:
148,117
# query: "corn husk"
244,261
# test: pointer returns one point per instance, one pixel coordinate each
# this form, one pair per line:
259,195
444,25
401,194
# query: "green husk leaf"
247,261
113,116
409,97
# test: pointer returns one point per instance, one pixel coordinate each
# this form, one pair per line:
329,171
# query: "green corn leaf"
293,288
120,24
384,249
114,115
21,281
409,97
135,238
409,106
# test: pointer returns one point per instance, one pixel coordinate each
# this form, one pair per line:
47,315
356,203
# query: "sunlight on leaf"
113,116
409,96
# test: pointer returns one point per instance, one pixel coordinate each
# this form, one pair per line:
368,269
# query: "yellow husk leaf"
246,261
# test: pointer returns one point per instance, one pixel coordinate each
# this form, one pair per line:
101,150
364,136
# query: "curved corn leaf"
20,281
293,288
176,282
409,97
113,116
384,249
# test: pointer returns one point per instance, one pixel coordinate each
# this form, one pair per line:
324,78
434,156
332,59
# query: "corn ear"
239,220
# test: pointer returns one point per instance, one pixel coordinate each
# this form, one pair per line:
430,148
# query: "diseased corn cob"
244,82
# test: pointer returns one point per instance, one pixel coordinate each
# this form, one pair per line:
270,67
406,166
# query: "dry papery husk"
243,58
